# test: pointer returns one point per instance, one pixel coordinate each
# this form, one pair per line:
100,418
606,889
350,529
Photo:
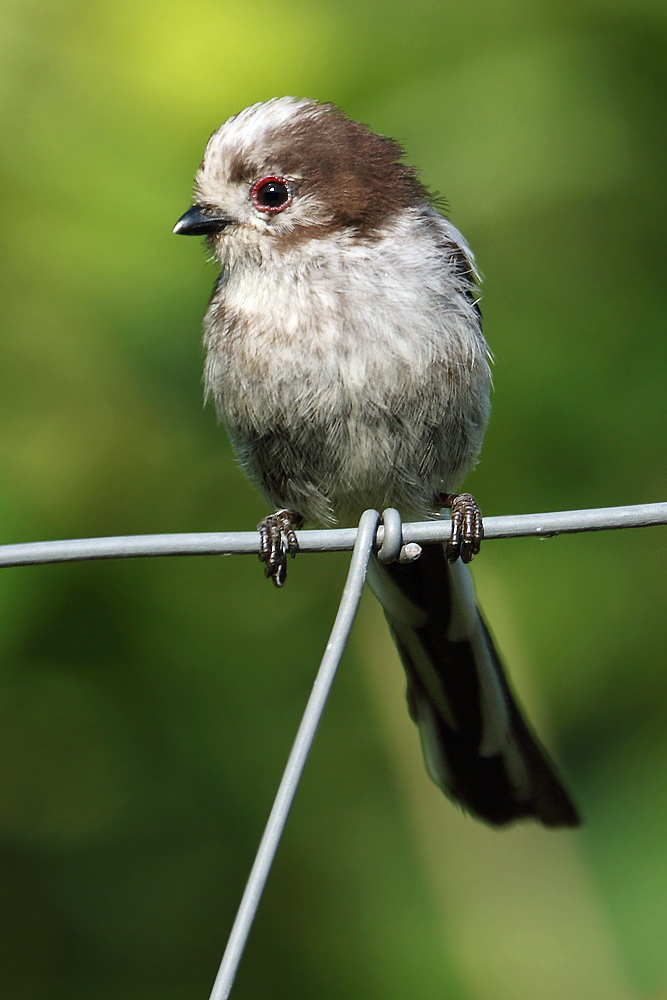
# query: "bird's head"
293,169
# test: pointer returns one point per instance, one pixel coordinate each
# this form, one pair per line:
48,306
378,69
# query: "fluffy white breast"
362,313
362,361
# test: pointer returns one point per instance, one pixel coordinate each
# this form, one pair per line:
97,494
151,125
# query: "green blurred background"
147,708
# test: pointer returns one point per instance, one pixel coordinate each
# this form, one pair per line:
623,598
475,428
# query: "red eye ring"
276,188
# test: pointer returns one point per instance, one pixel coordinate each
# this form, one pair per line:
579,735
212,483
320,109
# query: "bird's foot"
467,527
277,540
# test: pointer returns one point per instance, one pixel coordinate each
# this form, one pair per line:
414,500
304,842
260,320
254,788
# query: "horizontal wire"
328,540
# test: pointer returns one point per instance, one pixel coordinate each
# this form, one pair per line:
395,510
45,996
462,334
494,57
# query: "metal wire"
333,540
402,542
356,577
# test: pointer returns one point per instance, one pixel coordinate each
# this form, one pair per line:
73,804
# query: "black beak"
200,221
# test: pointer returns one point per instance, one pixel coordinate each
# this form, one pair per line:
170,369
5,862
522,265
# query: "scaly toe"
467,528
277,540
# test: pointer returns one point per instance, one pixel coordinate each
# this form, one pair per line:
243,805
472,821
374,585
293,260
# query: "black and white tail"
477,746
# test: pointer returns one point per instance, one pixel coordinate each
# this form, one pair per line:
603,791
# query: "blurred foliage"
146,708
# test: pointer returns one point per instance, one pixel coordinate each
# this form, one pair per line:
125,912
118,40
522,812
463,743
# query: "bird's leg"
277,540
467,527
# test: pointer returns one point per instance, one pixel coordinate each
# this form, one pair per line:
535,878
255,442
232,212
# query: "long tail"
477,746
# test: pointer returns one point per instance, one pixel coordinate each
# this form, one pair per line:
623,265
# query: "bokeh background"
147,708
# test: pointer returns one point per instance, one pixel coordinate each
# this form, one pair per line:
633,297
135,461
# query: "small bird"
345,357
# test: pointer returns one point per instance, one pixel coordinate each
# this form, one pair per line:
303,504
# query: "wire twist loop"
392,543
392,548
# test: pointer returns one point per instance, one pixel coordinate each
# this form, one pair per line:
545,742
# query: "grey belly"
330,471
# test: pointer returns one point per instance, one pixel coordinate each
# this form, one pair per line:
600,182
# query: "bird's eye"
271,194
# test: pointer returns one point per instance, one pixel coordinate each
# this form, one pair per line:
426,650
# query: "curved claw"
467,528
277,540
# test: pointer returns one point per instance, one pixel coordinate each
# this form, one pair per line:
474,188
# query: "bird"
346,359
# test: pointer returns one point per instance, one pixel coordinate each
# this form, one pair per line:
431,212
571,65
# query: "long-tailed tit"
345,356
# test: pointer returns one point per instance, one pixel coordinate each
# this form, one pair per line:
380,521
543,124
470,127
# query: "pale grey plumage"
349,369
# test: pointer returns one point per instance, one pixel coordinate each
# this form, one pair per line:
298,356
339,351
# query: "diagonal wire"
347,609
